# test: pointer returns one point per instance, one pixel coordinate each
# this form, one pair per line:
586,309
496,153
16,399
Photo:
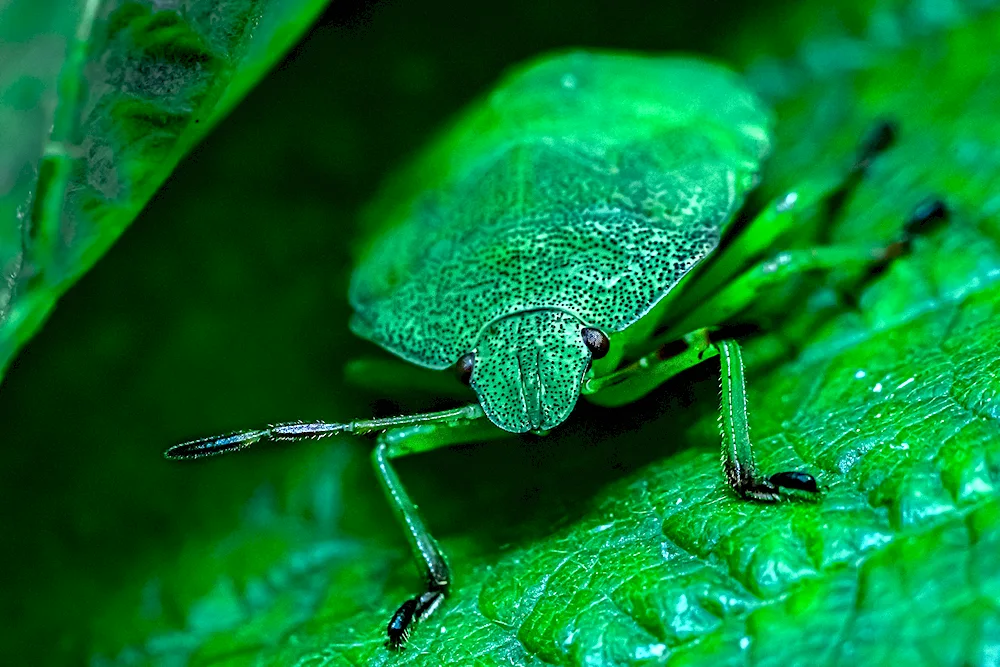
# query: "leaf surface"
615,541
894,403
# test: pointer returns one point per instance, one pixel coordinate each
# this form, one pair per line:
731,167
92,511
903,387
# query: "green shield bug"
536,247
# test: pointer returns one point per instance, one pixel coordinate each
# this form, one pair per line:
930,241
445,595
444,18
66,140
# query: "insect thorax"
587,182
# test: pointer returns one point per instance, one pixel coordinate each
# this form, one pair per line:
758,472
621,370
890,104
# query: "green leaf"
103,100
895,404
614,541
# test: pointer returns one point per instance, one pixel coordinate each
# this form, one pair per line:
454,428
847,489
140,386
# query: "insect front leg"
632,382
431,562
737,448
400,436
645,374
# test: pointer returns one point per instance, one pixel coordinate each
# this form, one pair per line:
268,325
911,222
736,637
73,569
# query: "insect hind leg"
861,262
923,219
880,137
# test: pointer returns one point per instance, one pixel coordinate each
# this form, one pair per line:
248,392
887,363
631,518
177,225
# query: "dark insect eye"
463,367
596,342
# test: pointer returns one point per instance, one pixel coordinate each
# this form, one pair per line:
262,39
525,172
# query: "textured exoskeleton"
575,195
536,248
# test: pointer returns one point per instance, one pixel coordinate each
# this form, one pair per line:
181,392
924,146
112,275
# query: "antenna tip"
196,449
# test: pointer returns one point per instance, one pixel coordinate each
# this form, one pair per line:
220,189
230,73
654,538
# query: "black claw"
925,217
402,622
878,139
799,481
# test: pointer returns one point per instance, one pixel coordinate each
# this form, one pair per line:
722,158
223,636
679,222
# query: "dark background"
224,307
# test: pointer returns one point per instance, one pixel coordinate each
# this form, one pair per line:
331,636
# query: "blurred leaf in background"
612,542
99,100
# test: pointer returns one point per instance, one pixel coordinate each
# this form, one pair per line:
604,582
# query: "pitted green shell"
588,183
528,369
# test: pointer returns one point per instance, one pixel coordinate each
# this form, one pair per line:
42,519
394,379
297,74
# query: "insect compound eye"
596,342
463,367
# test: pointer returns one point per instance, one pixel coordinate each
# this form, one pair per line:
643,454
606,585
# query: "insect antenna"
234,442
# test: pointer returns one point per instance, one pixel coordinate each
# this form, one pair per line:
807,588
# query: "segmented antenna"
234,442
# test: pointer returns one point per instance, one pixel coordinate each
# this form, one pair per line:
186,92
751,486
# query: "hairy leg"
428,555
639,378
401,436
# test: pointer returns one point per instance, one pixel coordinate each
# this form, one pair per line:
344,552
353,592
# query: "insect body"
575,196
536,249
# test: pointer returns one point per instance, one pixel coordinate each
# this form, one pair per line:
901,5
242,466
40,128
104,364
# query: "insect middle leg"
645,374
860,259
778,218
648,372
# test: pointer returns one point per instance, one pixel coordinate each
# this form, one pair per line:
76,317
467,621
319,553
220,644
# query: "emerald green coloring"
577,194
558,241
